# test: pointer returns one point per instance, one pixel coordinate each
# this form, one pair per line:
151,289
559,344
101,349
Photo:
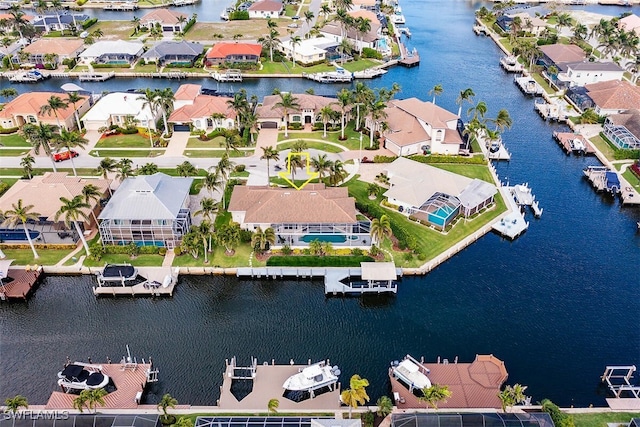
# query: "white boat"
577,145
313,377
82,376
412,373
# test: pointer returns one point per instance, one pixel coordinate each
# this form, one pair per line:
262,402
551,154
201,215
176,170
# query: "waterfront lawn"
25,256
470,171
217,153
114,30
352,142
13,140
250,29
600,419
173,172
145,260
126,153
314,145
542,82
141,67
317,261
632,179
195,142
218,258
123,141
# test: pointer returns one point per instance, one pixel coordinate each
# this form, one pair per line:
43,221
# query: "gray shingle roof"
174,48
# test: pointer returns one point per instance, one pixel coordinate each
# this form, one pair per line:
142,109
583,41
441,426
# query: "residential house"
147,210
623,129
169,20
299,217
630,23
114,52
557,54
266,9
61,22
308,51
333,30
233,53
415,126
167,53
114,108
365,4
195,111
62,48
435,196
272,116
25,109
586,72
43,192
610,97
532,24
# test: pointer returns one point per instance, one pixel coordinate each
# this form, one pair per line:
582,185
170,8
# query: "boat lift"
236,372
618,380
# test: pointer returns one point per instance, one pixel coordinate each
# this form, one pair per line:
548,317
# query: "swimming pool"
8,234
441,216
382,44
119,62
333,238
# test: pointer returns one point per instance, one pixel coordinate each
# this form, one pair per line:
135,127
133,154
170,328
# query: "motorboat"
313,377
412,373
118,273
577,145
82,376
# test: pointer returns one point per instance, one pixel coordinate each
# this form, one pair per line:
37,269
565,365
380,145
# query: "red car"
64,155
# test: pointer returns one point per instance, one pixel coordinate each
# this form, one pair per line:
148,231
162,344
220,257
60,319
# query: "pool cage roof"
623,134
439,203
63,419
253,421
536,419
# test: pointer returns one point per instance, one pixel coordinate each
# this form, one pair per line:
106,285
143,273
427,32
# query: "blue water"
333,238
16,235
557,305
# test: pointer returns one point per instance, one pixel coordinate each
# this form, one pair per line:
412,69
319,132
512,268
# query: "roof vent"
313,193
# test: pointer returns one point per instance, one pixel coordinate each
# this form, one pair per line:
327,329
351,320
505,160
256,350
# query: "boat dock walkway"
511,65
566,142
490,153
597,177
267,380
523,196
159,281
513,224
18,283
227,76
335,282
528,85
409,59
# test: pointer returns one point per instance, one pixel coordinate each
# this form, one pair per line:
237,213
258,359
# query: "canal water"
557,304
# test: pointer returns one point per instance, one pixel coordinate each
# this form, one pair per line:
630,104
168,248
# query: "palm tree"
299,146
287,103
373,190
71,139
295,41
356,394
165,98
20,215
73,210
293,163
435,394
269,153
385,406
261,240
231,141
95,398
273,405
308,17
337,173
325,114
147,169
563,20
8,92
40,137
167,401
53,105
213,181
502,121
73,98
184,422
136,24
363,26
465,95
436,91
27,165
239,104
204,231
150,99
361,96
125,169
321,164
186,169
270,42
229,236
208,208
380,228
344,100
80,401
15,403
376,112
91,193
478,111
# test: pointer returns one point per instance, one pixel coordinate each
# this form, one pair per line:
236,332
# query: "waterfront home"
333,30
233,53
527,9
59,22
62,48
623,129
169,20
266,9
534,25
435,196
609,97
557,54
416,126
112,52
6,21
630,23
114,109
195,111
168,53
272,116
44,193
11,51
147,210
308,51
365,4
586,72
26,109
299,217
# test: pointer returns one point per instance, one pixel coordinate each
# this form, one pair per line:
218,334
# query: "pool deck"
24,281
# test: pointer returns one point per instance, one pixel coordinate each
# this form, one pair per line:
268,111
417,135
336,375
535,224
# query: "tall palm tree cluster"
614,40
481,127
245,109
159,101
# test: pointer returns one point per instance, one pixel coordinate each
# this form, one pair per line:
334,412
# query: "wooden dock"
528,86
565,140
227,76
409,59
511,65
20,283
472,385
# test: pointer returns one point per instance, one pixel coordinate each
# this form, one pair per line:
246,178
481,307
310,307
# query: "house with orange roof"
271,116
610,97
169,20
299,217
62,48
415,126
630,23
25,109
195,111
233,53
266,9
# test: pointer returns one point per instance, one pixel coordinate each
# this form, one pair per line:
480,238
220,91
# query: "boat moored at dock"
312,378
79,376
117,273
411,372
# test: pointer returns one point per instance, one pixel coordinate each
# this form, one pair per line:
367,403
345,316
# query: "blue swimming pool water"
382,44
7,234
333,238
441,216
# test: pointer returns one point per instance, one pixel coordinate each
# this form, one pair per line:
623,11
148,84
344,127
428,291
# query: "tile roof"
54,44
559,53
591,66
630,119
363,13
629,23
268,109
335,29
187,92
225,49
164,16
266,5
120,103
614,95
174,48
44,192
313,204
32,102
203,106
156,196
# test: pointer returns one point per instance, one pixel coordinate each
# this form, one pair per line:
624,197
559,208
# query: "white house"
112,52
266,9
114,108
415,126
309,51
333,30
193,110
272,116
586,72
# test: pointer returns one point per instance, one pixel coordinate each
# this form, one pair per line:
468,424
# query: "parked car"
292,25
296,17
64,155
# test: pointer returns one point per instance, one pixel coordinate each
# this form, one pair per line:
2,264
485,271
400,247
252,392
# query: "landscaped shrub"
81,2
314,261
384,159
559,418
436,158
128,131
110,65
357,252
295,126
240,168
245,236
216,133
89,22
239,15
5,131
367,52
190,24
69,62
3,187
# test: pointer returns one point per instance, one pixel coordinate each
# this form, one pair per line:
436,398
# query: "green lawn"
243,174
17,172
141,67
25,256
604,147
352,142
216,153
124,141
218,258
173,172
114,30
470,171
288,68
140,261
542,82
13,140
212,143
313,145
126,153
632,179
600,419
14,152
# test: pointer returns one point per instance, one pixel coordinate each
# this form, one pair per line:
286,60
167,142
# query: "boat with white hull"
412,373
82,376
313,377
